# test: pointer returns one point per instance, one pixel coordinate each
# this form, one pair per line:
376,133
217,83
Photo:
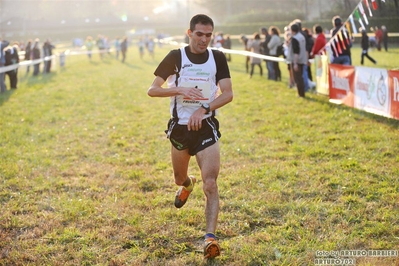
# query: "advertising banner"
393,83
341,82
372,91
321,64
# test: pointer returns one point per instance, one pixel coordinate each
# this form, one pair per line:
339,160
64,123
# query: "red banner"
341,81
393,83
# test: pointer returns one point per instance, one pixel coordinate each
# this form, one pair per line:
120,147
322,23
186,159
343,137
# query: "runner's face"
200,38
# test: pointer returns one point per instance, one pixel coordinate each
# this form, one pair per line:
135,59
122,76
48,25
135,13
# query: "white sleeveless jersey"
191,75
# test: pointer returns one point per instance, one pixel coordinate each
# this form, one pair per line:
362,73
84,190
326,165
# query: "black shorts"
194,141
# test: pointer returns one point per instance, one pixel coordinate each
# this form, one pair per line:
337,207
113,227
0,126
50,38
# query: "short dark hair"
298,21
200,19
337,21
294,27
318,29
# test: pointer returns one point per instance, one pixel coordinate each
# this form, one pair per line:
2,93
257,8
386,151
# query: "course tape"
229,51
48,58
169,41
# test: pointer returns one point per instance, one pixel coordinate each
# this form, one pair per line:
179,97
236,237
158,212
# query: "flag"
347,35
336,41
368,7
342,40
361,9
353,24
334,48
374,4
357,15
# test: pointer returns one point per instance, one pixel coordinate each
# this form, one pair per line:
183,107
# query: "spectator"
309,47
117,45
218,40
385,37
124,46
272,45
378,37
286,45
47,53
141,47
28,54
320,41
298,57
89,44
100,42
35,56
107,45
254,46
244,40
227,45
3,44
265,51
150,47
343,54
12,58
305,67
372,39
365,47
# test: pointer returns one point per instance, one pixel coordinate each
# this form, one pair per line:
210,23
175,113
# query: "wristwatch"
206,107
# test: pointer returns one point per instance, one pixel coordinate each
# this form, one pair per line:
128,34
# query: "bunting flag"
334,48
357,16
374,4
353,24
361,9
343,36
348,28
347,36
342,40
337,42
368,7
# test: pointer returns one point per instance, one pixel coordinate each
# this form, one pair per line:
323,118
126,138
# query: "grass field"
86,176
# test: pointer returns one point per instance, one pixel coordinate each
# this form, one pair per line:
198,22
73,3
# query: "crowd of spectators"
267,42
12,52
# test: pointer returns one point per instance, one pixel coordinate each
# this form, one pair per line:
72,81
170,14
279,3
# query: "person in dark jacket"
12,58
341,56
365,47
3,44
265,50
385,37
28,54
36,55
47,52
124,46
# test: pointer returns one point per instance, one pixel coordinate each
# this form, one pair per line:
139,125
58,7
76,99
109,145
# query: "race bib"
204,84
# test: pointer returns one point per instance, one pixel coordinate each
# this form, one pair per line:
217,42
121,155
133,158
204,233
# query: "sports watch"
206,107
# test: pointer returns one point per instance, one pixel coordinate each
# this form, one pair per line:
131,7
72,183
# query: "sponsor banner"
393,82
341,82
321,64
372,91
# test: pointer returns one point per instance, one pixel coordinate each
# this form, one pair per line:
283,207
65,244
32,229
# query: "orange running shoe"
211,249
182,194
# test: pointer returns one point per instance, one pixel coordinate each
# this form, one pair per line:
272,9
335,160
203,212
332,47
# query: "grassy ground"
86,178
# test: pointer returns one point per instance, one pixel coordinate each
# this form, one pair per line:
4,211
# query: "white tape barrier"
164,41
229,51
48,58
26,63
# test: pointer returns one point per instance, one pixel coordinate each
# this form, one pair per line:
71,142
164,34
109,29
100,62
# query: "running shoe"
211,248
182,194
